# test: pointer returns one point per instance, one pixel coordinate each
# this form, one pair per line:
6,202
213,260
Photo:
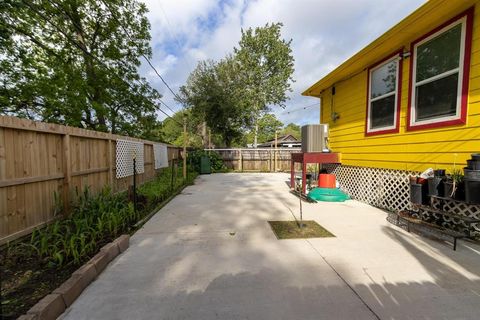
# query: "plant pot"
412,179
476,156
436,187
448,187
473,165
419,193
472,191
471,174
421,180
459,192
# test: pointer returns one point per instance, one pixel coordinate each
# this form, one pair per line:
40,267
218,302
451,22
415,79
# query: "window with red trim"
439,77
383,97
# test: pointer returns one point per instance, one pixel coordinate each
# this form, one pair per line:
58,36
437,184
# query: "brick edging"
54,304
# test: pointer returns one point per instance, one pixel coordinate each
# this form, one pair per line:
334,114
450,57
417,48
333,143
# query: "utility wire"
33,9
65,13
143,55
299,109
185,61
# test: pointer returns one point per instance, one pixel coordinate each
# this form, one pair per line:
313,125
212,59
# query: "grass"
292,230
34,266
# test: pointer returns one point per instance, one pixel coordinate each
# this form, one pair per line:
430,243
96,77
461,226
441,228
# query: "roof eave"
352,66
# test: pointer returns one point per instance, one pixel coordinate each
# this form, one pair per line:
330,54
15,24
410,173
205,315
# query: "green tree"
53,58
266,68
232,94
214,96
292,129
267,125
171,130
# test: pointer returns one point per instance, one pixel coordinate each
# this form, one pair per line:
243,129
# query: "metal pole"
209,140
184,147
134,184
171,180
301,211
275,157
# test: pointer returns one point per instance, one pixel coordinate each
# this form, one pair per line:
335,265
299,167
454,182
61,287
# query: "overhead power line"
65,13
300,109
143,55
185,61
84,50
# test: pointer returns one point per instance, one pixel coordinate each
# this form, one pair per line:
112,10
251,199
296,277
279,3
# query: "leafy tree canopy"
233,93
267,125
292,129
213,95
266,66
171,130
75,62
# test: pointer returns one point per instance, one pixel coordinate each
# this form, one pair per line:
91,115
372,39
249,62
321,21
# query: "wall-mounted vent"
315,138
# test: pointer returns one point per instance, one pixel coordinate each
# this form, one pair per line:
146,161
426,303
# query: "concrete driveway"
210,254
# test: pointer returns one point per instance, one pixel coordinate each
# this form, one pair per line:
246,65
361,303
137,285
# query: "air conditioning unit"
315,138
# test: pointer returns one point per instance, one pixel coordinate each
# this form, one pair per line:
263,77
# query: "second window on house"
383,88
439,81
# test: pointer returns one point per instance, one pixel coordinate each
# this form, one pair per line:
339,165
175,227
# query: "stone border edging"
54,304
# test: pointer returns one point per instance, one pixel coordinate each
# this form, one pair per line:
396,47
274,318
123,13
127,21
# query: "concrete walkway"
210,254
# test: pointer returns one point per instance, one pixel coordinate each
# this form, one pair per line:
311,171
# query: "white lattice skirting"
383,188
456,207
390,189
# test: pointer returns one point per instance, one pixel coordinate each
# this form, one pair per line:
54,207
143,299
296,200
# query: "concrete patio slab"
210,254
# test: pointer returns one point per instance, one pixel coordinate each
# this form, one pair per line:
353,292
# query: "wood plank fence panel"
256,159
40,162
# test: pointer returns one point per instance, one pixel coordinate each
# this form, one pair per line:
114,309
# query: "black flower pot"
436,187
459,192
419,193
473,165
472,191
476,156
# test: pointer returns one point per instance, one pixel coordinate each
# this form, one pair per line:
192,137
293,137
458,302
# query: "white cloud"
324,34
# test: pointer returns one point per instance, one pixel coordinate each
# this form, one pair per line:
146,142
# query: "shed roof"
422,20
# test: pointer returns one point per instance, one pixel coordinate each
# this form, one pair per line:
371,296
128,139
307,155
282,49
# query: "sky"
324,33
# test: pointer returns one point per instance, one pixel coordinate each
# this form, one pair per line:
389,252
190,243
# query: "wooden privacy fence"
40,160
265,159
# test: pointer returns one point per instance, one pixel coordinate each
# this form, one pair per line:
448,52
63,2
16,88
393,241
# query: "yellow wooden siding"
406,150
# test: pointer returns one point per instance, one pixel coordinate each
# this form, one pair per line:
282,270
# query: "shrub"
216,161
159,189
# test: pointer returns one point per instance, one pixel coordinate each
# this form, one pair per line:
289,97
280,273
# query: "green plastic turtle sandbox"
327,195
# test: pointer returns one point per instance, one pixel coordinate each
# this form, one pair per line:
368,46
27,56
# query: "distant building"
287,141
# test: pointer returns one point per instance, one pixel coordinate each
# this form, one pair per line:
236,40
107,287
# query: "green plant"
95,220
216,161
456,178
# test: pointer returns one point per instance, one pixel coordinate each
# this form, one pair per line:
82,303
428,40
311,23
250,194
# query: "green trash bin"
205,165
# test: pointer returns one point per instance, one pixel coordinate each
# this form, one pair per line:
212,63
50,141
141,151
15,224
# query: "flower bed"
34,266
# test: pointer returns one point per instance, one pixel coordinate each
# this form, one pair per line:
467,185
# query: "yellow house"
408,101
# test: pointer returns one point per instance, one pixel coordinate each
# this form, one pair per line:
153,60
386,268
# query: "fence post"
271,164
66,174
110,165
275,160
241,161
